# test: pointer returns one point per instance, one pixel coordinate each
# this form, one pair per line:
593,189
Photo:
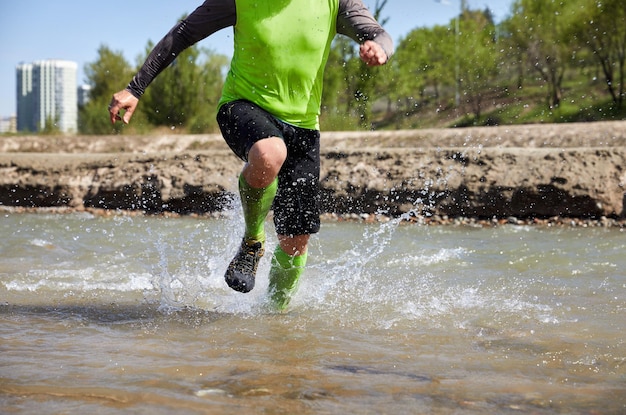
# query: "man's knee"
265,159
271,152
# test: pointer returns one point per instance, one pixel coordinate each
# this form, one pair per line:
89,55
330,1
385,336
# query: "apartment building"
47,93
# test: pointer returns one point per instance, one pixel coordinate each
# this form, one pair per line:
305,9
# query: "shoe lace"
249,256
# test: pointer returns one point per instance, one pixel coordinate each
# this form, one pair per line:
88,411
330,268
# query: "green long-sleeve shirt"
280,50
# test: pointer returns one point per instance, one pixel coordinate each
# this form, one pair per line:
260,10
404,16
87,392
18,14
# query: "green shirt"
280,51
281,48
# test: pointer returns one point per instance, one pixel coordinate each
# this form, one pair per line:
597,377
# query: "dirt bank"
532,171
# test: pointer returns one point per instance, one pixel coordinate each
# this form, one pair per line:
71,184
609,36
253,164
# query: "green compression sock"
256,205
284,277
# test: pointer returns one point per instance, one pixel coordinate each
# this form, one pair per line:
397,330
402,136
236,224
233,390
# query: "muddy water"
103,315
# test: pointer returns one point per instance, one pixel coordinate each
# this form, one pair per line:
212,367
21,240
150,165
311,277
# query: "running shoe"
242,269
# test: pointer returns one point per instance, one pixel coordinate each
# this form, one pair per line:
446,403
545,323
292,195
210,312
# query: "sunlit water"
102,315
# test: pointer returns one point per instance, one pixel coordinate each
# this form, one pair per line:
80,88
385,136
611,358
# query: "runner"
269,114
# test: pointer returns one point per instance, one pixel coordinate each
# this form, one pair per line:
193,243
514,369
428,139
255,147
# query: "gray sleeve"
207,19
357,22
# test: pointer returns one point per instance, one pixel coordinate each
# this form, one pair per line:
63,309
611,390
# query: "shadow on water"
116,314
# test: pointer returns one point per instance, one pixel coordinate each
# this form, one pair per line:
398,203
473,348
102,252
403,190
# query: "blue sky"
33,30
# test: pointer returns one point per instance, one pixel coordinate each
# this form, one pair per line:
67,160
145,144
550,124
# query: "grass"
582,101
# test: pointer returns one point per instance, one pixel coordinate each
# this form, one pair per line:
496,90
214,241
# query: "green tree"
338,102
461,57
514,59
367,79
209,92
539,27
439,58
105,76
171,99
185,95
600,27
423,68
478,65
334,87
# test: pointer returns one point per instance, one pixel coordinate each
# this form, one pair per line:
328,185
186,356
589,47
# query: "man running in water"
269,114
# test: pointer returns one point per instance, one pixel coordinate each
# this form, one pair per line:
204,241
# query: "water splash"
377,275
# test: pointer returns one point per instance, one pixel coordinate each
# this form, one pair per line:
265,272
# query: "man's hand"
122,100
372,53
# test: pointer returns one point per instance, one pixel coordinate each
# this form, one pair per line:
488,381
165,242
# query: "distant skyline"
73,30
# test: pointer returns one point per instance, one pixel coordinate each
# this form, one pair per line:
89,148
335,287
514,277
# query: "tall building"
26,119
47,93
83,94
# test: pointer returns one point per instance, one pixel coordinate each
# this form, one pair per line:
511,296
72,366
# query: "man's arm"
207,19
357,22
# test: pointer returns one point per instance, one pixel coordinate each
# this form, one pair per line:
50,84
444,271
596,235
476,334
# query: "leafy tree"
478,61
334,90
187,92
338,102
184,95
434,60
600,26
539,27
423,68
413,66
171,98
439,58
366,81
209,92
513,57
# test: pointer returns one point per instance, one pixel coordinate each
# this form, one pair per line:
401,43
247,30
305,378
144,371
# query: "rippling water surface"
102,315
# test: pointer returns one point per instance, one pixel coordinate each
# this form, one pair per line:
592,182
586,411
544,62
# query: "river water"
104,315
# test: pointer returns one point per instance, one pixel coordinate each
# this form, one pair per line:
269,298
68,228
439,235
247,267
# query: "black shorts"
297,205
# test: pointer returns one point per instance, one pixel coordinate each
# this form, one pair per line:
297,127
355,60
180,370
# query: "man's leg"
257,187
296,214
256,204
288,263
